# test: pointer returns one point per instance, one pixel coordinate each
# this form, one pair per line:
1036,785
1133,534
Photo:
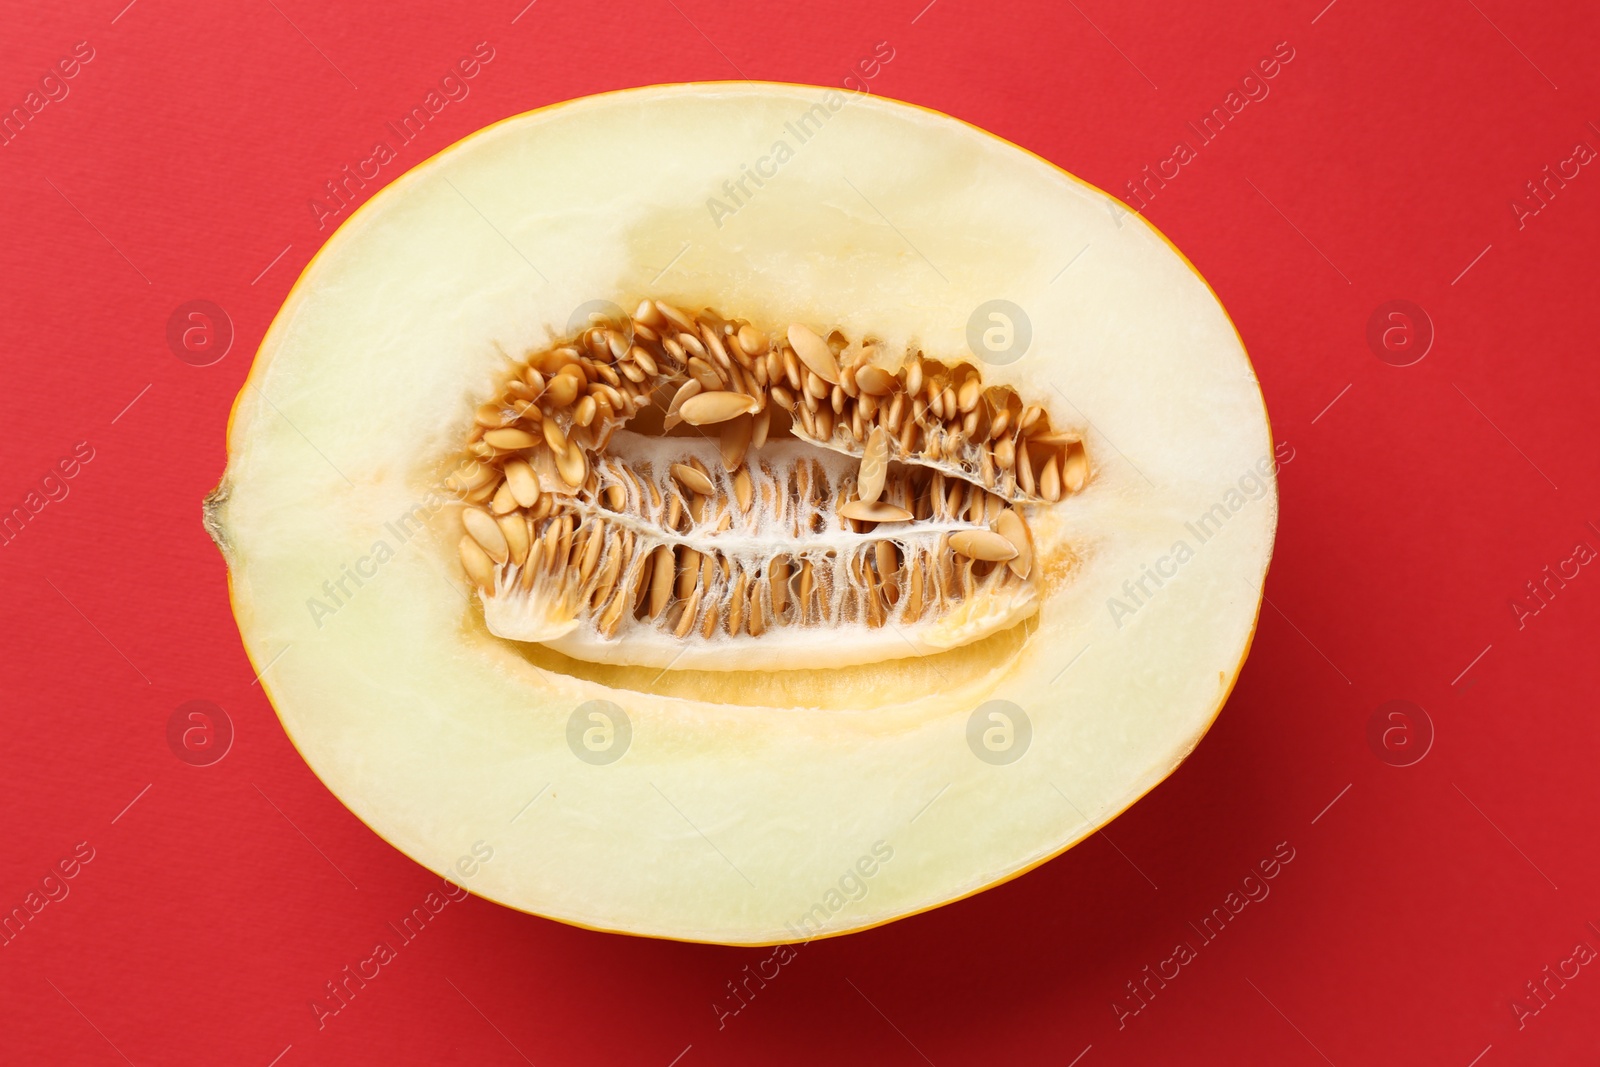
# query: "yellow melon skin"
754,808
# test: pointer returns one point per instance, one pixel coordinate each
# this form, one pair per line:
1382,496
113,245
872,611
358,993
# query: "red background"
1382,166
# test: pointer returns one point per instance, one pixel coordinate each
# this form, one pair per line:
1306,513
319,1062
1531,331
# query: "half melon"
744,512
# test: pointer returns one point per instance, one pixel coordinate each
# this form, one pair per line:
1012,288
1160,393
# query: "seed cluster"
907,505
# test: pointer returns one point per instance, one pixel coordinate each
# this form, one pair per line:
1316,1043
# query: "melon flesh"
749,807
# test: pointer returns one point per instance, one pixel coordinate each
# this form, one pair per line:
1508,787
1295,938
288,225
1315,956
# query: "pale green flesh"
724,821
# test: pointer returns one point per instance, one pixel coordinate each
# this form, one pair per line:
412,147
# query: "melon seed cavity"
694,491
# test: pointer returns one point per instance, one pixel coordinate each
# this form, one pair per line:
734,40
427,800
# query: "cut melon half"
744,513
